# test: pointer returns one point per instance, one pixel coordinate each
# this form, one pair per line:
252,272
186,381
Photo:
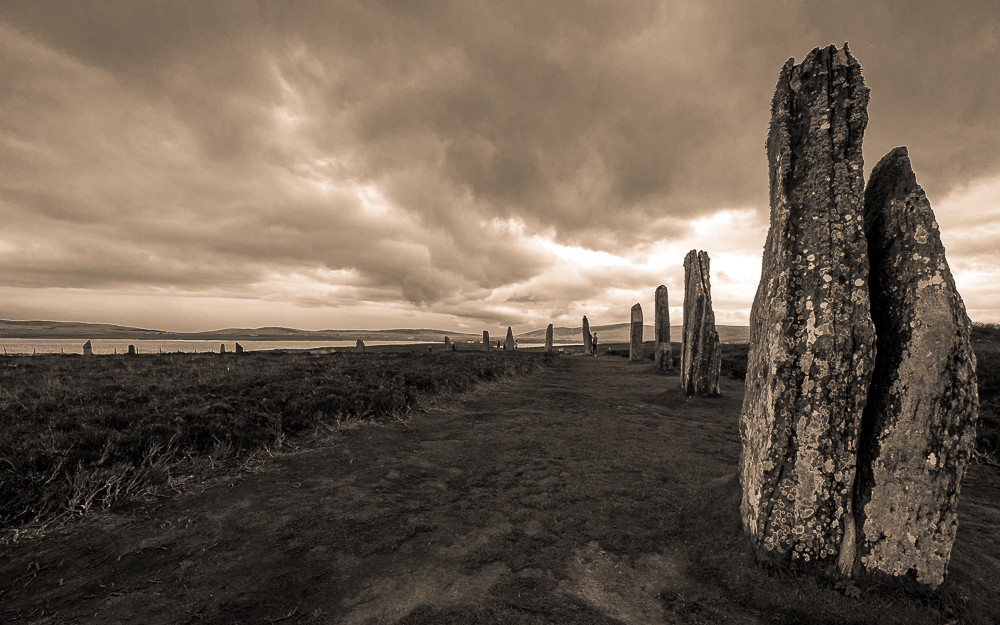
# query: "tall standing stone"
131,350
548,338
661,329
635,334
447,343
88,349
222,348
239,348
701,358
359,347
811,335
508,343
486,340
918,428
588,341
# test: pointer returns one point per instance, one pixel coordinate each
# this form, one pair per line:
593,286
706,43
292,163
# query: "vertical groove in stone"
635,334
588,345
918,427
811,335
661,329
701,358
548,338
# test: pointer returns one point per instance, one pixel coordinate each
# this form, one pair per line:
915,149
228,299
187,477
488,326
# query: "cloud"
456,160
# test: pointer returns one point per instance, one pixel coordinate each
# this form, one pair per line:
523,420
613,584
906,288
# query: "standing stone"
811,336
131,350
508,344
239,348
661,329
701,358
918,427
447,343
635,334
88,349
486,340
588,345
548,338
359,347
222,349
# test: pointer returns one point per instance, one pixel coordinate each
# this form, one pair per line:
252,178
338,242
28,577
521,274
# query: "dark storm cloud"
196,145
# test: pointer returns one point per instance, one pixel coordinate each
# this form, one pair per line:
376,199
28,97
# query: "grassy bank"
985,344
78,433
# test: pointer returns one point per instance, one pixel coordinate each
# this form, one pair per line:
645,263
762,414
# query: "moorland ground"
589,491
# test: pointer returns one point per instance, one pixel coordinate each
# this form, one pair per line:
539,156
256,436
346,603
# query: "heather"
77,433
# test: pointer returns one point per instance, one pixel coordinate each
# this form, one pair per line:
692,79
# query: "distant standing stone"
811,335
635,334
548,338
508,344
919,423
131,350
588,345
486,340
359,347
701,358
239,348
661,329
88,349
447,343
222,348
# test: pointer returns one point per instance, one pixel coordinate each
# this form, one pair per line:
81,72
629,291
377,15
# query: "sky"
459,165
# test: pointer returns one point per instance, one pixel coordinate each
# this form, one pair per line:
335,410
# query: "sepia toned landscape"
502,313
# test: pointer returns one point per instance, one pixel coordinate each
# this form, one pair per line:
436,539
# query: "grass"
986,345
592,492
81,433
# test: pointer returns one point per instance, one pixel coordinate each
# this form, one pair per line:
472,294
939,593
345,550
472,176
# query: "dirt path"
592,492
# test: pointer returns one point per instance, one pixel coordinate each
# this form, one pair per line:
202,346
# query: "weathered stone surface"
131,350
701,358
508,343
918,427
588,344
811,335
359,347
447,343
486,340
239,348
635,334
222,348
548,338
88,349
661,329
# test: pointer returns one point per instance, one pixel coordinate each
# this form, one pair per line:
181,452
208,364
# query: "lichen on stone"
811,338
919,425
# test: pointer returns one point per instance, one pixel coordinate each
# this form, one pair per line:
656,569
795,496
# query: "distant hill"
77,330
619,333
616,333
